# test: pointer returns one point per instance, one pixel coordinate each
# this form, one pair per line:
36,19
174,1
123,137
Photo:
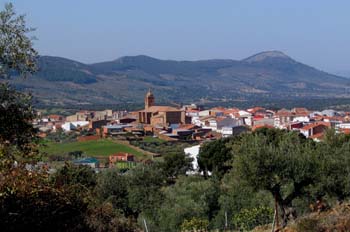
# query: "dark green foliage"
215,157
75,154
144,188
283,163
16,114
268,164
162,147
16,52
16,56
59,157
58,69
75,175
176,164
237,195
112,187
61,137
191,197
334,166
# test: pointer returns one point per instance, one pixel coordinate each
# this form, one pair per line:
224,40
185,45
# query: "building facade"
160,115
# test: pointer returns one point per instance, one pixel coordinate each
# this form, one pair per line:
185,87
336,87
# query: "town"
188,125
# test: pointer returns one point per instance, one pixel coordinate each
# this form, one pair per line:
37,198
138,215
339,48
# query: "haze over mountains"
268,75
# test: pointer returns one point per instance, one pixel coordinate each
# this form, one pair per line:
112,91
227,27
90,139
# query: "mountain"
268,56
268,75
343,73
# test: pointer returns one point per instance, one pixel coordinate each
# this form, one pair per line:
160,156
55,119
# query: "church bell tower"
149,99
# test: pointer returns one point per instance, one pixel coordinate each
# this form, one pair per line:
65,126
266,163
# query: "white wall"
68,126
193,152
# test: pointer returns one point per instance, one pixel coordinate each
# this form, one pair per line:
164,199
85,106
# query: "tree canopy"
215,157
17,55
281,162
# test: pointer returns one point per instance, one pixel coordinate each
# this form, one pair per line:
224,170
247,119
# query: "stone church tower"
149,99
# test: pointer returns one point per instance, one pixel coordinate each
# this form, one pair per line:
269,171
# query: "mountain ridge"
270,75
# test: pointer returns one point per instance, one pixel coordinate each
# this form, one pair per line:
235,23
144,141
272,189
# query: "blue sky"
316,32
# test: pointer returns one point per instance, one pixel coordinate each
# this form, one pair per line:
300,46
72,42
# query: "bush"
248,219
195,224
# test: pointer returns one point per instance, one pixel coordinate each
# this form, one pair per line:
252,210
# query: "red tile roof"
188,126
315,124
255,109
317,136
345,131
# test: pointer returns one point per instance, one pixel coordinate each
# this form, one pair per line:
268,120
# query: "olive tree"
283,163
335,166
214,157
17,57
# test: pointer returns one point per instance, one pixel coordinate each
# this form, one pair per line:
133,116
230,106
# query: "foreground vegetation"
251,173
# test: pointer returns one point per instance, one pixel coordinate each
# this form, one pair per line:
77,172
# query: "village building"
121,156
111,130
160,115
88,161
74,125
233,130
55,118
315,130
95,124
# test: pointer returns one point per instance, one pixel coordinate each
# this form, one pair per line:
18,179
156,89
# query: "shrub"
195,225
248,219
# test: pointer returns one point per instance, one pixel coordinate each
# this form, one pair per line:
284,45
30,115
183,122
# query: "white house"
343,126
204,113
193,152
235,130
68,126
301,119
246,116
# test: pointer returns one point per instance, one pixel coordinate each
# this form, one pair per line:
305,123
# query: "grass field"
97,148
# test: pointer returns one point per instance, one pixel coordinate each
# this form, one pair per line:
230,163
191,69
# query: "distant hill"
267,75
343,73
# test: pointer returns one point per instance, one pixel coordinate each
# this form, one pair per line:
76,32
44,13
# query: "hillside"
267,75
336,218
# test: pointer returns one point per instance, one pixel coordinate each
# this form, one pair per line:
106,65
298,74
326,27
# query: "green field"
95,148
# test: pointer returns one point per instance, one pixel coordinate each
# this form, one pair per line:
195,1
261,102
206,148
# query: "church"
160,115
